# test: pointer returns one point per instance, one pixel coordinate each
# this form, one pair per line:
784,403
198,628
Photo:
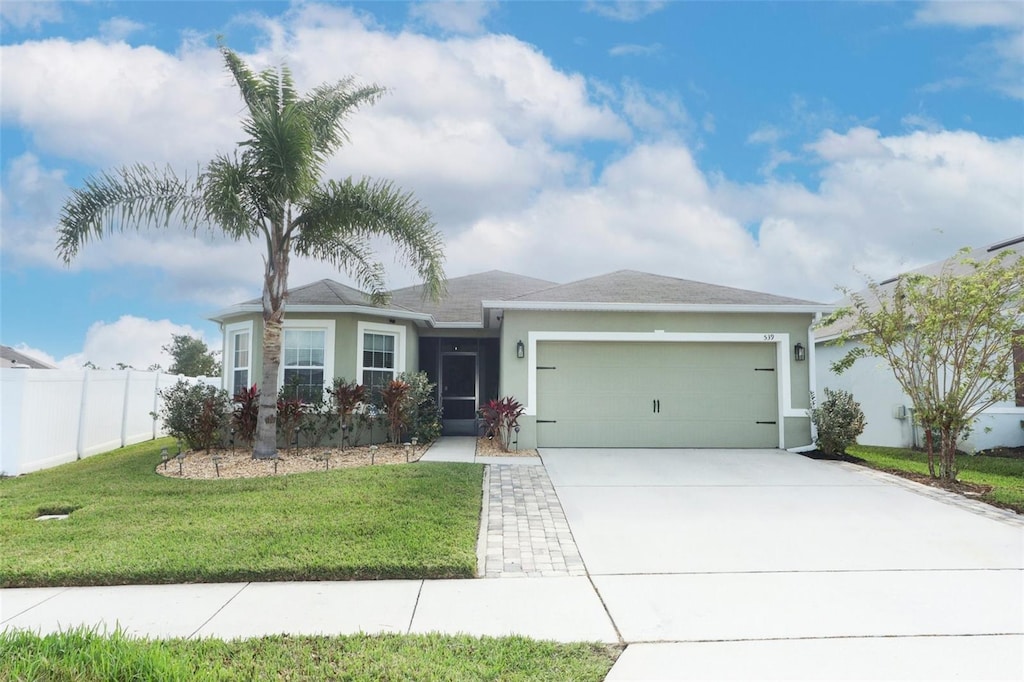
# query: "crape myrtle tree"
948,339
271,189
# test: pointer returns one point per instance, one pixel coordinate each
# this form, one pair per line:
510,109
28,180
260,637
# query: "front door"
458,394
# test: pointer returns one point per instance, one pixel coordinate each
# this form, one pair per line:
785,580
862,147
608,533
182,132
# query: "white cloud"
457,17
624,10
971,14
30,14
131,340
631,50
998,62
487,132
118,29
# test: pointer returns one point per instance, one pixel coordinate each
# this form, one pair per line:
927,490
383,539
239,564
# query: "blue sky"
784,147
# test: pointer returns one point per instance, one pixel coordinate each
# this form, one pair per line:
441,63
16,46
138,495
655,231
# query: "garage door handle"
546,421
766,422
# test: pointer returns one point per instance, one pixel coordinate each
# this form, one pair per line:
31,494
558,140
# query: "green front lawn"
1005,475
131,525
84,656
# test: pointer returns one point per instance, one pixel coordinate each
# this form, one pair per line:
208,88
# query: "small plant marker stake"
373,453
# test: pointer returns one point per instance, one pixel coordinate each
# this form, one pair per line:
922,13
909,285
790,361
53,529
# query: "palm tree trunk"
275,285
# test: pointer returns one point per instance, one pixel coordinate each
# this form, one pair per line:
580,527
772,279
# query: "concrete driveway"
766,564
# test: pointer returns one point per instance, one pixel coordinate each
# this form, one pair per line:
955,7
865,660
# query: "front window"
304,366
378,360
381,354
238,368
239,362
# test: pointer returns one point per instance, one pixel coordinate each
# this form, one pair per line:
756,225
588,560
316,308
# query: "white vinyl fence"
52,416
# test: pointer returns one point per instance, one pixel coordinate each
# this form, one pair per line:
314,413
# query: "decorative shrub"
425,417
318,422
244,417
289,415
500,418
839,421
194,413
345,399
395,398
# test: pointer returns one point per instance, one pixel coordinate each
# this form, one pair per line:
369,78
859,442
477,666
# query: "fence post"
81,413
156,401
124,406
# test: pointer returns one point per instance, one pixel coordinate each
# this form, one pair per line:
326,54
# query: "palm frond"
255,90
327,106
341,214
231,192
131,197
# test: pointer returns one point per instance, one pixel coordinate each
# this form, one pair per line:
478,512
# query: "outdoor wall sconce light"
799,352
520,350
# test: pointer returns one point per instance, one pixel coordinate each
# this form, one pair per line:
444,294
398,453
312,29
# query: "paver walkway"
523,530
526,530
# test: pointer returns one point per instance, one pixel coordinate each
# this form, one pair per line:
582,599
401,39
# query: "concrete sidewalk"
562,609
794,570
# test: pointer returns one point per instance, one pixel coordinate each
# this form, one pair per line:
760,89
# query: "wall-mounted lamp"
520,350
799,352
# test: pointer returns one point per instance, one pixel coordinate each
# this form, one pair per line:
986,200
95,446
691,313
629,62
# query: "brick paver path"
526,531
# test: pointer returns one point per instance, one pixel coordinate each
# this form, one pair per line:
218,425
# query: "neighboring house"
887,409
12,358
624,359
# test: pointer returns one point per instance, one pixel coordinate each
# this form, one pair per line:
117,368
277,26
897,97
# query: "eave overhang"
423,319
809,308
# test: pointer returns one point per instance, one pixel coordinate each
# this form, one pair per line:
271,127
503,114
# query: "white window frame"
396,330
230,332
326,326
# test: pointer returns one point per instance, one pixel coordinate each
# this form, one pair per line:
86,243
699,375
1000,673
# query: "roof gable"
462,300
1014,246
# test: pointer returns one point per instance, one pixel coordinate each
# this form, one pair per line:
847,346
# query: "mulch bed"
239,463
818,454
960,487
489,447
1009,453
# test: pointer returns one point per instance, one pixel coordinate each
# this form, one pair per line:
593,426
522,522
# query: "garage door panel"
616,394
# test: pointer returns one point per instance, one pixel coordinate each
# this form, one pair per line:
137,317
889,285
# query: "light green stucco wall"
346,339
517,324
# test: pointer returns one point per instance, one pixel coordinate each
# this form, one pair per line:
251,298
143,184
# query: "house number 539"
769,337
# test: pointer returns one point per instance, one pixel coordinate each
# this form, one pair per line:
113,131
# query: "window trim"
230,332
396,330
326,326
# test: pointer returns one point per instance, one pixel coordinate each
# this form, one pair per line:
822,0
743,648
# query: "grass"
1003,474
133,526
84,656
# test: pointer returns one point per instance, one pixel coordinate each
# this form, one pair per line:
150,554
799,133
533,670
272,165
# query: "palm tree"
271,188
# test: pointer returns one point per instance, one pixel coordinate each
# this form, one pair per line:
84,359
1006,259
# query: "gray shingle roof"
629,286
10,357
981,254
324,292
464,294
